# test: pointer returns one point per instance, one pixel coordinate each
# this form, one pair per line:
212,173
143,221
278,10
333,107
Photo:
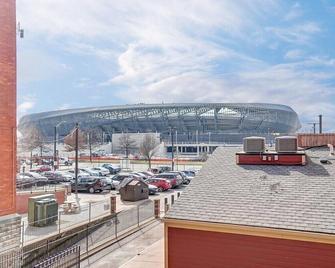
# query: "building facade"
193,122
254,215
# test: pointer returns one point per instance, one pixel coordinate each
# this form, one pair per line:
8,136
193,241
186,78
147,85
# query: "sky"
84,53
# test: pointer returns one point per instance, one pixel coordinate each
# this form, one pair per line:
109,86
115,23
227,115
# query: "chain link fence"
92,235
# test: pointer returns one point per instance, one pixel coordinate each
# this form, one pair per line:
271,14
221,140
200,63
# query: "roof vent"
254,144
286,144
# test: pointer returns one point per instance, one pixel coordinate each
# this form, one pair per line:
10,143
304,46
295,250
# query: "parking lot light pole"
76,160
55,144
172,150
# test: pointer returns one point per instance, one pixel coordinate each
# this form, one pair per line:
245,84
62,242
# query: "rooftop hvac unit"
286,144
253,144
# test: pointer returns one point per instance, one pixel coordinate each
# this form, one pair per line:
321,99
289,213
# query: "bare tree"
70,141
148,147
93,140
126,143
31,139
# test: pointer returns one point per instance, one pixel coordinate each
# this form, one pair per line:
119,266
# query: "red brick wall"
23,197
193,248
7,106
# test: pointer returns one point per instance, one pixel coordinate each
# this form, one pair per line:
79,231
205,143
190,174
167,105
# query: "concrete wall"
7,106
23,197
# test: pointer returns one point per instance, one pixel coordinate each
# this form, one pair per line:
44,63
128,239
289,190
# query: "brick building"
254,215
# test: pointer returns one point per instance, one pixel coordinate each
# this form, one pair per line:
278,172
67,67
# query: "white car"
90,171
103,171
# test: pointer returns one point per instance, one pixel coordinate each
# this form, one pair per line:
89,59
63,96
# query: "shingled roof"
285,197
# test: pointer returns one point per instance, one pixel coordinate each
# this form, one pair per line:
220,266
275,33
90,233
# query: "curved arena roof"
185,117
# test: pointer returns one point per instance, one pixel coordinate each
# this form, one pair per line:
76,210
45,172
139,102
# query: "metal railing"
64,259
11,259
65,220
91,235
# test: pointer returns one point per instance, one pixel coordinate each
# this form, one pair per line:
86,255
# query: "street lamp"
55,143
172,147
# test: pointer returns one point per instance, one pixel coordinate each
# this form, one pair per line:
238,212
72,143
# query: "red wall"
22,199
7,106
193,248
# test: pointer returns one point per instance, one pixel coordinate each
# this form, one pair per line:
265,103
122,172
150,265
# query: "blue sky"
81,53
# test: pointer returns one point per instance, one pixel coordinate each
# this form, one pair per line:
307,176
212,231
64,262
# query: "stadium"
226,122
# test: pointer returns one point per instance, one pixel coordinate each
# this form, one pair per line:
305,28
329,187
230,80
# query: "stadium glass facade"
192,121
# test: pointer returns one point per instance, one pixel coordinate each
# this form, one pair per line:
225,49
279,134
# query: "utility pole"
55,148
76,160
320,123
172,149
90,146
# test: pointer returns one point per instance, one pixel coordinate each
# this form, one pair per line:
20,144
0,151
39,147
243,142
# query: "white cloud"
294,13
294,54
189,50
300,33
25,106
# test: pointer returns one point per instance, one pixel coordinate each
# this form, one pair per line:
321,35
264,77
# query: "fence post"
166,205
59,216
22,226
89,211
86,239
157,207
113,205
115,222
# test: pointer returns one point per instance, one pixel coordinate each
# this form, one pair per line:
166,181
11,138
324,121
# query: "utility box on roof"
254,144
134,190
286,144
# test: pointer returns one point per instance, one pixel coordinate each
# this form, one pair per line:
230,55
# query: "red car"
160,183
40,169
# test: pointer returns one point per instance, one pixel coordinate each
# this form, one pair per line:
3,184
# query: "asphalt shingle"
286,197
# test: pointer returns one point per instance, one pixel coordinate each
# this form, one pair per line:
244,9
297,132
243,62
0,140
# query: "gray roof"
285,197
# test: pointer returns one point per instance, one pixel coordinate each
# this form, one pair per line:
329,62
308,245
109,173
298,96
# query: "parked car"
91,172
118,178
113,169
65,161
163,169
175,179
189,173
160,183
67,175
24,181
186,179
37,178
80,173
55,177
41,168
89,184
102,171
152,189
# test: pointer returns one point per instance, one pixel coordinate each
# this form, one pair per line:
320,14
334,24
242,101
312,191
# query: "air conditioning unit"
287,144
253,144
42,210
46,212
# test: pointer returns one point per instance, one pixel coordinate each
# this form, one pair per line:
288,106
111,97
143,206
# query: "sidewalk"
151,257
144,249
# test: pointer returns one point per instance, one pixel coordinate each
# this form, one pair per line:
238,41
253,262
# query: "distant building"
191,122
254,215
